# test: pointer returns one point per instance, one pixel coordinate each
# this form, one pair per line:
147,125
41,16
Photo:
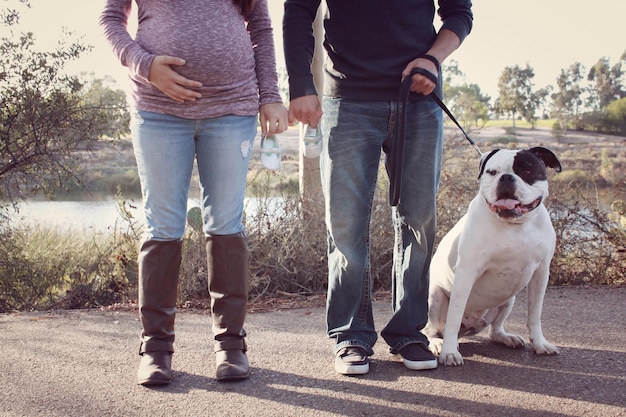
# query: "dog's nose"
507,178
506,186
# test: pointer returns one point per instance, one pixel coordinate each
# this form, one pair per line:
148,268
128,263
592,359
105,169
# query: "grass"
522,124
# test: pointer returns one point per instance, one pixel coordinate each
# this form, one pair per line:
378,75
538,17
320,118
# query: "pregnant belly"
212,57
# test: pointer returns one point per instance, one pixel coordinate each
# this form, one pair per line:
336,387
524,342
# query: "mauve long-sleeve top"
233,57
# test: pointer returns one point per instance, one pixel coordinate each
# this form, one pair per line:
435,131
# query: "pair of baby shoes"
310,138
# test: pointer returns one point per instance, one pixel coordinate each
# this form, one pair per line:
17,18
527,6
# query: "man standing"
371,46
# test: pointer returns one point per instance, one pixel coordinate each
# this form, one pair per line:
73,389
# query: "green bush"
616,116
504,140
43,268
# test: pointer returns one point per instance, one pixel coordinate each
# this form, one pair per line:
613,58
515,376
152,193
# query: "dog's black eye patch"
483,161
529,168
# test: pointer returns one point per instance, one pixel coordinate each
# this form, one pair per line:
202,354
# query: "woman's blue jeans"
165,148
355,134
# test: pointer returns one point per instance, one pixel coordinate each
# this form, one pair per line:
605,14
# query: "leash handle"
395,160
394,165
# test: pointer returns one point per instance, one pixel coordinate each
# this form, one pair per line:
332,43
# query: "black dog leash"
397,148
437,100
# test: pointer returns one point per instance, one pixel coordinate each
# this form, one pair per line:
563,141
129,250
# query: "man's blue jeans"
355,133
165,148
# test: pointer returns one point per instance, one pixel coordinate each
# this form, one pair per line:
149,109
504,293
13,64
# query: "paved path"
83,363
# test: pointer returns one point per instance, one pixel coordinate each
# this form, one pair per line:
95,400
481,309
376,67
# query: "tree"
109,104
516,93
541,97
607,80
568,100
616,116
465,100
452,75
46,115
471,105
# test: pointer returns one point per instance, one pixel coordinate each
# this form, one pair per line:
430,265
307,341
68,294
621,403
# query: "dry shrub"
590,243
287,237
287,248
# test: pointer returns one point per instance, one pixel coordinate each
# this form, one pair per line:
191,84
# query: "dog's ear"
483,162
548,158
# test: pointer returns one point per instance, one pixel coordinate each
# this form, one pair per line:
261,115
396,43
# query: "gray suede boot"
228,287
159,266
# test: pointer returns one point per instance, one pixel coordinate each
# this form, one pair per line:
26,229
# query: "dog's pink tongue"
506,204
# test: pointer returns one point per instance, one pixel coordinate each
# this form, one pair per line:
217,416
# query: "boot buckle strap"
231,344
156,346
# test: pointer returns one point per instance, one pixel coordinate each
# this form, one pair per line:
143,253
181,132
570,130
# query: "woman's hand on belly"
171,83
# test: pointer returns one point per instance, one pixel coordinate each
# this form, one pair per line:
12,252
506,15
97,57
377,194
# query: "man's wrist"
432,59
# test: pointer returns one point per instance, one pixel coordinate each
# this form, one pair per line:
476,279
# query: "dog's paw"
511,340
544,348
453,358
435,344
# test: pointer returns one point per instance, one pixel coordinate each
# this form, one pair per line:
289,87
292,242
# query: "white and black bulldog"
503,243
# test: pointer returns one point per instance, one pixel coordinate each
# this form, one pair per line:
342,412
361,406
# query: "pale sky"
549,35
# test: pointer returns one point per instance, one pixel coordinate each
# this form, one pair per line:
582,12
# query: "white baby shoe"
270,153
311,138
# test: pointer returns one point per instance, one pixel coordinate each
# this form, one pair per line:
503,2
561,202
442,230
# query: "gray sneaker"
352,360
417,357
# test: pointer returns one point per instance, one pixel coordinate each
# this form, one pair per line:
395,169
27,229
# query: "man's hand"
171,83
273,119
445,43
305,109
420,83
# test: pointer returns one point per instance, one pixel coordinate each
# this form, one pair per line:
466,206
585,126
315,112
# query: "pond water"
100,215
